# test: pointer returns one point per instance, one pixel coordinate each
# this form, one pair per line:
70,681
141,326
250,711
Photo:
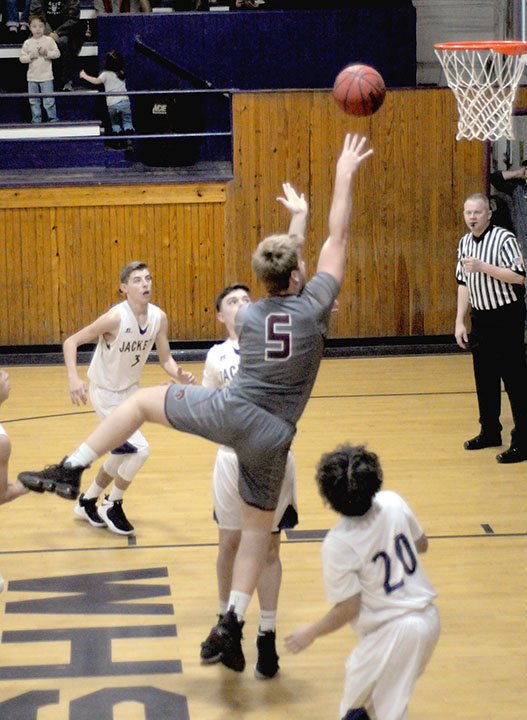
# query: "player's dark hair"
115,63
131,267
348,479
227,291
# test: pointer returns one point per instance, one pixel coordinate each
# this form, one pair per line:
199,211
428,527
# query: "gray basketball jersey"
281,346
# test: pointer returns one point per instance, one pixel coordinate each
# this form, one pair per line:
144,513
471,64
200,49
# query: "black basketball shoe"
267,664
112,513
227,637
210,652
87,510
64,480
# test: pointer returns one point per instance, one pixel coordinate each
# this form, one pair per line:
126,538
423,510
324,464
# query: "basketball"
359,90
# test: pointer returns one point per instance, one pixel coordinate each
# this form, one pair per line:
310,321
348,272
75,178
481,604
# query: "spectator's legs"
69,47
24,20
35,103
49,102
113,112
126,116
11,14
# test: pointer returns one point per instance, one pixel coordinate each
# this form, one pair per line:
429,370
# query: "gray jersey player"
281,343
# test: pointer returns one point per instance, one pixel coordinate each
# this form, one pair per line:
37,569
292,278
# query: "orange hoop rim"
506,47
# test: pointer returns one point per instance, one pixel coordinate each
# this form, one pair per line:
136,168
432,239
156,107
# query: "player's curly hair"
274,260
348,479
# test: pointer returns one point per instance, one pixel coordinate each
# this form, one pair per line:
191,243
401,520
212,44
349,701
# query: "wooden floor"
72,643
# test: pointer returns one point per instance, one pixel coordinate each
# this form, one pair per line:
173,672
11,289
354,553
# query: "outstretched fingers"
292,201
354,148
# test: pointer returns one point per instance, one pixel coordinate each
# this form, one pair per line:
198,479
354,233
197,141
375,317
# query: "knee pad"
112,463
356,714
131,463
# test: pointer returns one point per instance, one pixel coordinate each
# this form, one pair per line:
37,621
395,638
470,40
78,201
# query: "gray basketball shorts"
261,440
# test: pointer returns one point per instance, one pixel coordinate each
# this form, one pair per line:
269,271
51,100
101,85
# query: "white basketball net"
484,83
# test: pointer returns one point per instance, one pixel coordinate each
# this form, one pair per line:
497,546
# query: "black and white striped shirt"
497,246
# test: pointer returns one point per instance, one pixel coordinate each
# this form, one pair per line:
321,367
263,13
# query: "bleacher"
181,70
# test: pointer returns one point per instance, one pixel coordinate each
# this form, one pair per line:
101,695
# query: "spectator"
117,7
186,5
62,19
38,51
514,184
16,22
245,4
112,77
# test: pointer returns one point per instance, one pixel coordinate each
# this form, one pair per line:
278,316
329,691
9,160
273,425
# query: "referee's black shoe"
483,440
514,454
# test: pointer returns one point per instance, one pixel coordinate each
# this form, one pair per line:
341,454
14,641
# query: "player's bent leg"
147,404
111,510
63,479
377,677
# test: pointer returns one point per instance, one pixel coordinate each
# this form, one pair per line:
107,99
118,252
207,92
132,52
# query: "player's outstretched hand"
292,201
353,153
184,377
300,639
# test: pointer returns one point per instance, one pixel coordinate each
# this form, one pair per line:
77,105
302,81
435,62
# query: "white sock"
267,620
239,602
93,491
115,494
82,457
223,607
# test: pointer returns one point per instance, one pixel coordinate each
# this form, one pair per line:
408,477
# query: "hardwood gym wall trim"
63,247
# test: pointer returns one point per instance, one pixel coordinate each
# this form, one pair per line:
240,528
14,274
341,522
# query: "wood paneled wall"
62,248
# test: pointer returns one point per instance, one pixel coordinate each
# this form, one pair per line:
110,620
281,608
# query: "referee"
491,282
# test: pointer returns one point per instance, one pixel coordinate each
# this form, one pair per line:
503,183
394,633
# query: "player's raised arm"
298,208
332,257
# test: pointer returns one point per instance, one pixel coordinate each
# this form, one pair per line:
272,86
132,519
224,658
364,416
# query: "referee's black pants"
498,353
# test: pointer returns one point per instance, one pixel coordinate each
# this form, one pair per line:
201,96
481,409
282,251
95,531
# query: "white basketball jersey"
118,365
375,555
2,431
221,364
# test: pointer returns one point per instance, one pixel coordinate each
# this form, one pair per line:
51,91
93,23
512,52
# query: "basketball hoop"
484,77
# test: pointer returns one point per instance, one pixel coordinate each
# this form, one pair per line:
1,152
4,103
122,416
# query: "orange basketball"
359,90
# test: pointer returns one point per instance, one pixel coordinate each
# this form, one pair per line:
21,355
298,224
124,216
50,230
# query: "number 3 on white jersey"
278,338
